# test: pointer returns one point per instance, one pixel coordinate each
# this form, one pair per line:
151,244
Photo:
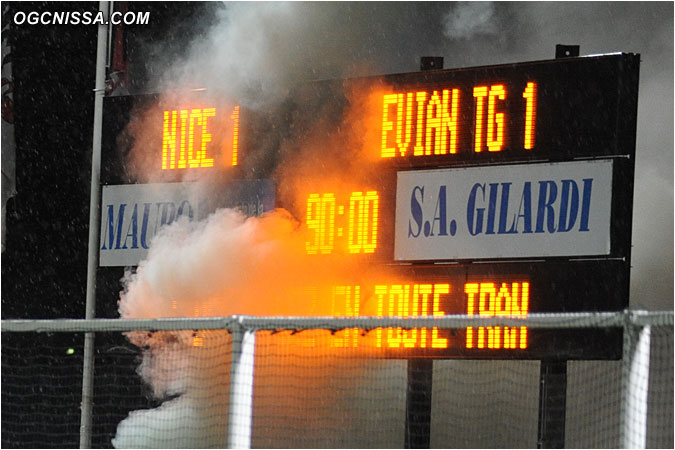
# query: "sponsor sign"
514,211
131,215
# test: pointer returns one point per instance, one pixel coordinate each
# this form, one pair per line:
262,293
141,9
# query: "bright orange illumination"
421,98
362,220
235,135
495,120
442,120
484,299
346,301
169,140
434,118
364,210
387,125
530,96
439,289
508,301
206,138
198,336
495,138
434,127
435,123
479,94
404,126
399,302
449,122
179,150
321,219
186,138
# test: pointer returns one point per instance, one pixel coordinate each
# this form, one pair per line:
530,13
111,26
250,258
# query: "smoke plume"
257,55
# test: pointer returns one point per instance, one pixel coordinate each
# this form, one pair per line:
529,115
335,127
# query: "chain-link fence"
324,382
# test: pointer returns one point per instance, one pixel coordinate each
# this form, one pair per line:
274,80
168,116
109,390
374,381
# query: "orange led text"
494,300
422,123
187,138
355,225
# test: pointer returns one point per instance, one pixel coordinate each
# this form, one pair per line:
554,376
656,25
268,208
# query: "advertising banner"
132,214
512,211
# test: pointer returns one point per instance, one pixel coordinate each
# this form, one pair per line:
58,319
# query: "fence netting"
311,389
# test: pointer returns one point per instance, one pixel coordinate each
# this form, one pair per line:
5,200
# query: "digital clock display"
352,225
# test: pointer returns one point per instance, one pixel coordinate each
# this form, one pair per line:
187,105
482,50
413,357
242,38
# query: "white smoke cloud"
468,19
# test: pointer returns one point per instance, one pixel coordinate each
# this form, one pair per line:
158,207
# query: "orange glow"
387,125
495,137
449,122
321,219
362,223
404,134
399,304
509,301
235,135
435,123
169,140
434,120
346,302
439,289
183,128
192,123
479,93
442,118
495,140
186,138
530,96
419,141
198,335
206,138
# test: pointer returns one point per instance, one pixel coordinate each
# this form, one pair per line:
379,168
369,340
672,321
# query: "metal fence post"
240,417
634,384
87,406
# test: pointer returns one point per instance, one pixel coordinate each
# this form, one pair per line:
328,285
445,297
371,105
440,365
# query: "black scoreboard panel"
485,290
530,116
579,107
572,110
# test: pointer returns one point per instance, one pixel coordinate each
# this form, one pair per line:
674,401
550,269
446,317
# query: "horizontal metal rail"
538,320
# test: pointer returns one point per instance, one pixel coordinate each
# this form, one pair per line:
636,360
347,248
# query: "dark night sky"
44,264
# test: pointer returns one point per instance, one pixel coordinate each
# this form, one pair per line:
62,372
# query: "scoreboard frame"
586,110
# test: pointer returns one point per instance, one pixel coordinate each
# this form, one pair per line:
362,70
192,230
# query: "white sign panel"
132,214
513,211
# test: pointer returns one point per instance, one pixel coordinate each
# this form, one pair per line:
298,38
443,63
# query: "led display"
360,235
187,139
514,160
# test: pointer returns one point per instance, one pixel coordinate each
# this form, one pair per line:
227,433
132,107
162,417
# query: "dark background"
44,263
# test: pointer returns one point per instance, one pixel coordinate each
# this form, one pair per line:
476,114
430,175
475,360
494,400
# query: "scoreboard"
489,191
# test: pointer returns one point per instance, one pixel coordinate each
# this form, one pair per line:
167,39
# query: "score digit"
362,222
321,219
364,210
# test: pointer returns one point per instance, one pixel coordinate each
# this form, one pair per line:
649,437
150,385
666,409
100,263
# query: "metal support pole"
240,423
552,399
635,385
94,218
420,371
418,403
